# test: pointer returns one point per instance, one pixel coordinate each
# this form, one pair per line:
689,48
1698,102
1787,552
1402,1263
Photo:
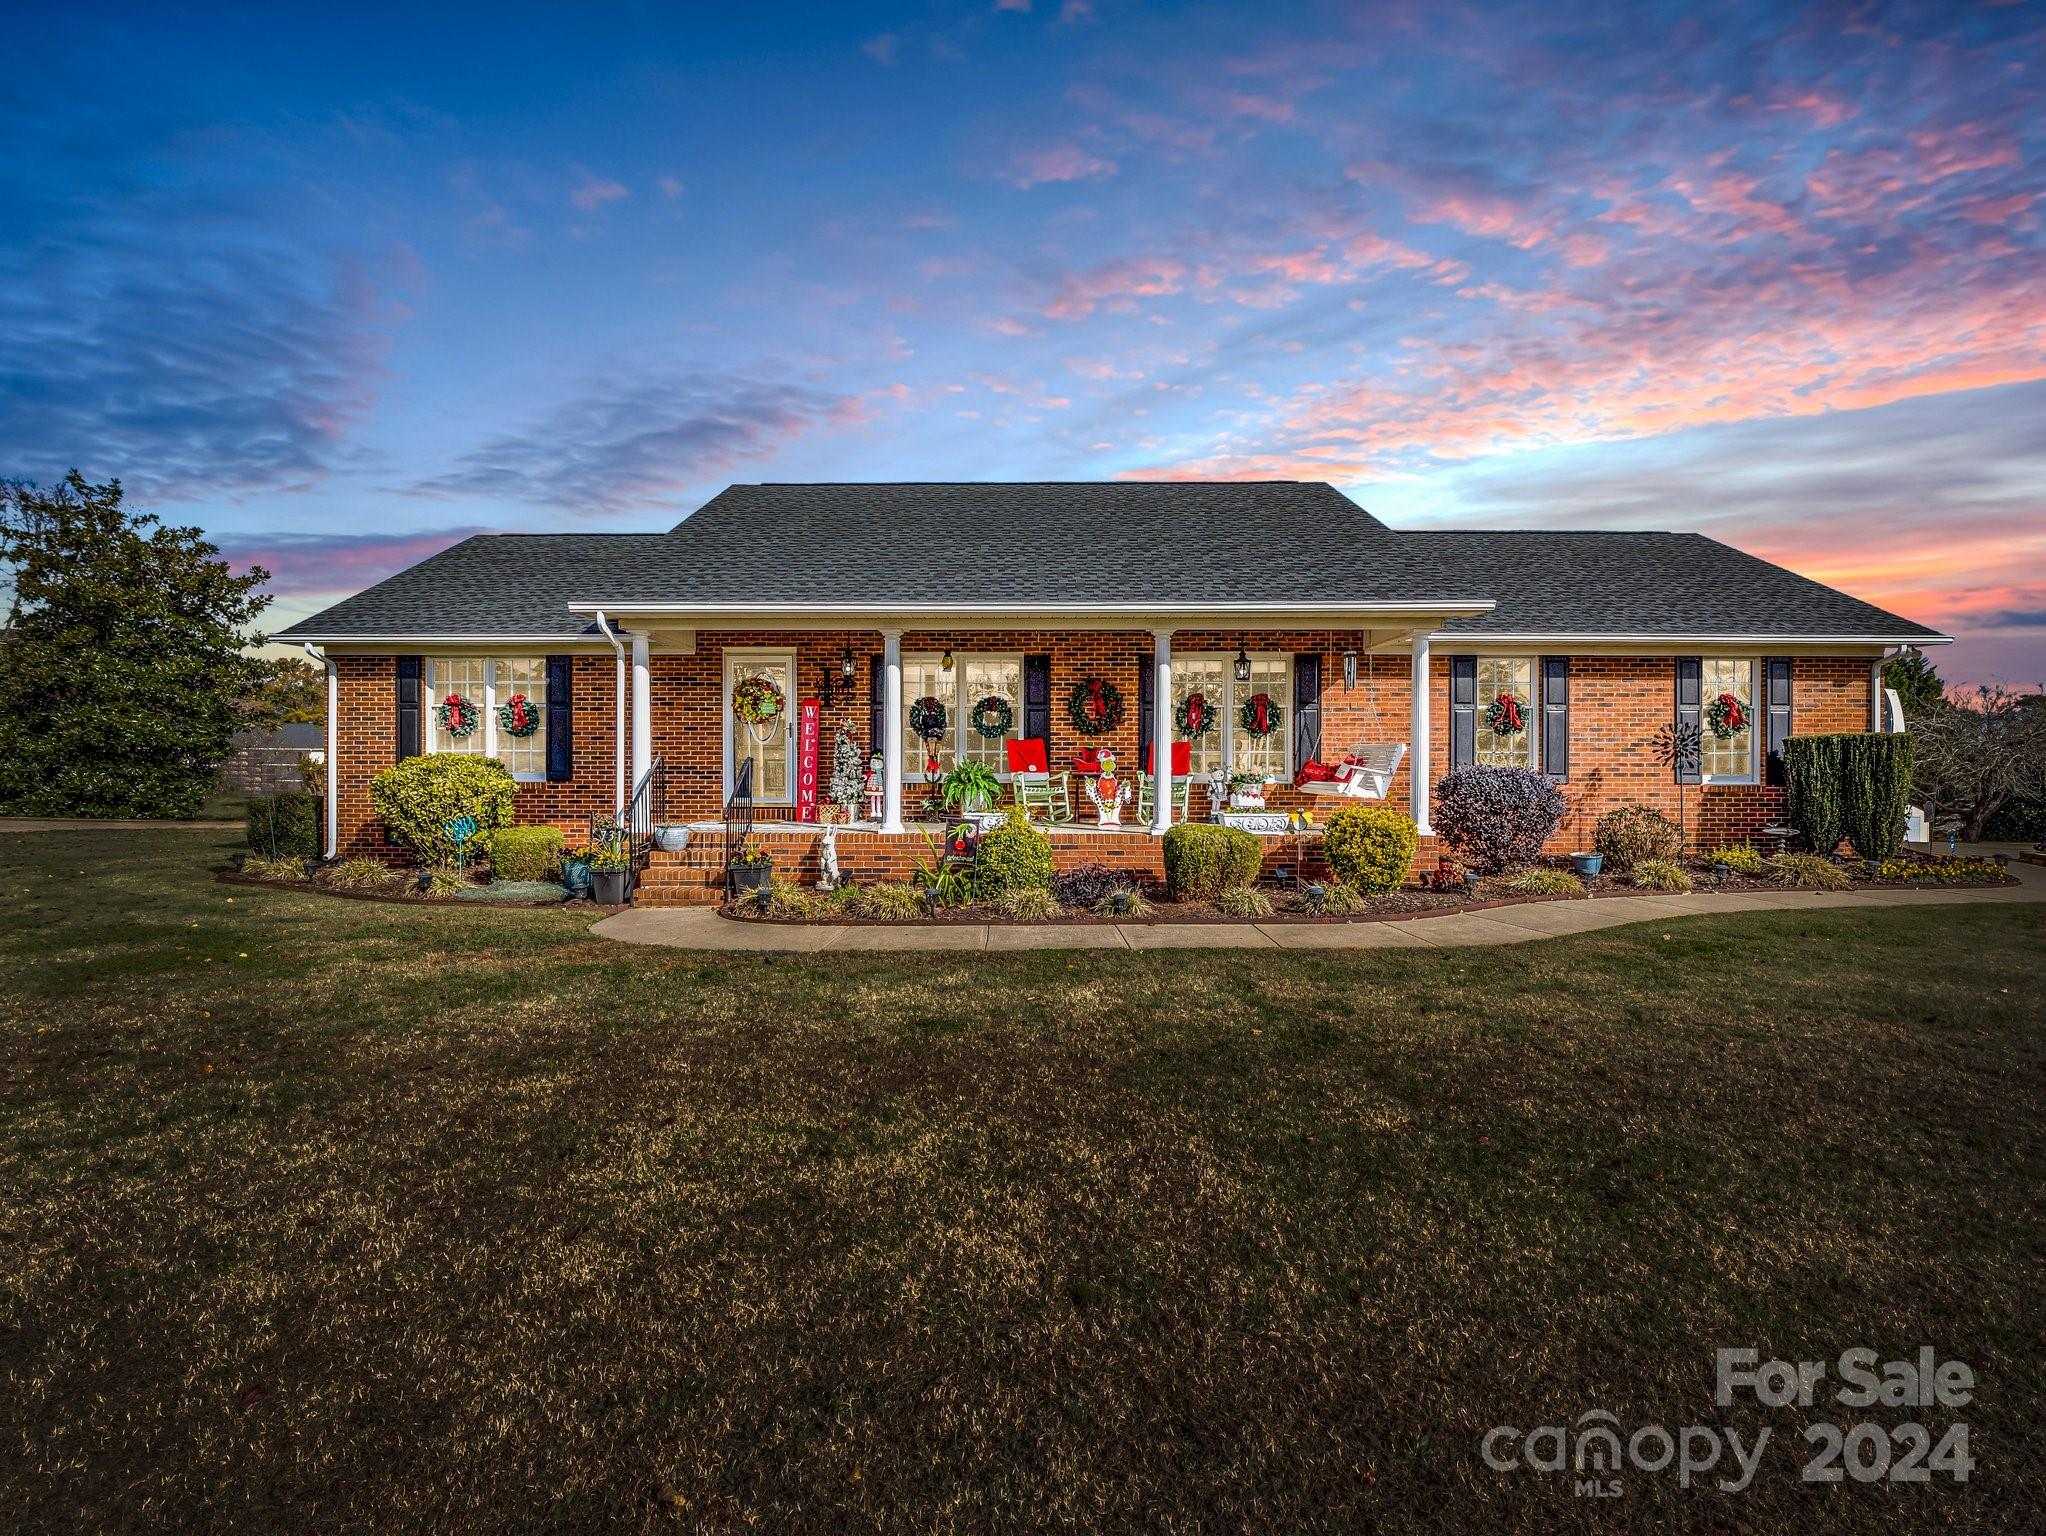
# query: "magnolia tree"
1978,752
124,680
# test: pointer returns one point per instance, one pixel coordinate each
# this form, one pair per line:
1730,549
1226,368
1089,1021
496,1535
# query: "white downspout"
618,646
333,753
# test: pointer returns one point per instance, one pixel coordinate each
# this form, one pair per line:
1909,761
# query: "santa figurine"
872,787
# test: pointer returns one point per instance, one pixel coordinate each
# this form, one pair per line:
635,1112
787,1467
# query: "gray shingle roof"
1645,584
1168,543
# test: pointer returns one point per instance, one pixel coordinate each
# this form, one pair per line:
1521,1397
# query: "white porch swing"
1368,766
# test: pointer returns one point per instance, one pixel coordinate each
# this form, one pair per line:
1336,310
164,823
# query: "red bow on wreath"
1509,712
1730,711
1196,714
1261,709
1097,704
519,716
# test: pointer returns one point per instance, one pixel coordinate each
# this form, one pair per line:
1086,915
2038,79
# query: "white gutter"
1454,607
333,753
1487,637
414,640
619,713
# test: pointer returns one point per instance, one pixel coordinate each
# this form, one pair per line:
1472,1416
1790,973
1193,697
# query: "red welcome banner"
808,726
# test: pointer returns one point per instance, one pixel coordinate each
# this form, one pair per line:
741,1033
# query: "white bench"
1369,777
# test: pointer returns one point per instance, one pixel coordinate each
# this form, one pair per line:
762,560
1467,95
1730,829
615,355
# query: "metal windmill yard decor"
1680,747
459,832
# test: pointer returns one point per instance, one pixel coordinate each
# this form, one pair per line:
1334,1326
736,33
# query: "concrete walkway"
702,928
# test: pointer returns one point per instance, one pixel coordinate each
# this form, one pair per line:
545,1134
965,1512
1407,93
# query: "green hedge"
1011,857
284,826
418,798
1876,789
1813,800
1203,861
1371,846
525,853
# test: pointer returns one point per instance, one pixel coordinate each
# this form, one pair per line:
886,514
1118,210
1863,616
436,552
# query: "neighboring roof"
1170,544
1629,584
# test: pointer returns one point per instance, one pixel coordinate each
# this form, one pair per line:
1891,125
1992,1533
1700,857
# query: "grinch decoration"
929,719
1195,716
1507,716
1726,716
458,717
992,717
1095,707
1108,793
517,716
1259,715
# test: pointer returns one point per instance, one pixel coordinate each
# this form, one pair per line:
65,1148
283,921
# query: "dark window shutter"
1306,709
411,673
1556,717
1147,694
1776,691
1690,696
560,719
877,705
1463,711
1037,699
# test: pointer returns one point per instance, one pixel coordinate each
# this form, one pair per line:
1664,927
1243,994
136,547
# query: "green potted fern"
970,787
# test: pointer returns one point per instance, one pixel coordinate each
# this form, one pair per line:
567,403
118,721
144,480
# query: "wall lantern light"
946,664
1242,664
845,667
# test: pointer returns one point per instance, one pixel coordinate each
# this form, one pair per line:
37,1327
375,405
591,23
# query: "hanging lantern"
1242,664
845,667
946,664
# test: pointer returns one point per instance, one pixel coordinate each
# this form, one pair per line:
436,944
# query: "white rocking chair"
1368,776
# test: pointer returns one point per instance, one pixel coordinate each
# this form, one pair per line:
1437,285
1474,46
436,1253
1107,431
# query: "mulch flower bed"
406,890
1417,901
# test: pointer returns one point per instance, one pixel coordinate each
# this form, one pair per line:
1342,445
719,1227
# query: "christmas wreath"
992,717
1726,716
1195,716
1095,707
458,717
516,716
928,717
758,700
1507,716
1259,715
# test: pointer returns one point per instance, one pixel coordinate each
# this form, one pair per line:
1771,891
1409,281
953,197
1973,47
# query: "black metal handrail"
738,819
647,809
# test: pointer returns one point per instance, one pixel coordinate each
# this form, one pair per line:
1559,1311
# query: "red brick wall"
1616,706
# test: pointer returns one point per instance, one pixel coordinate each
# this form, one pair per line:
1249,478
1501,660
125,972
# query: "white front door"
770,747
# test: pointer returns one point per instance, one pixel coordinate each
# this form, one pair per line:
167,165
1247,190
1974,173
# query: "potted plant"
1587,864
672,837
970,787
752,868
1247,791
611,875
575,869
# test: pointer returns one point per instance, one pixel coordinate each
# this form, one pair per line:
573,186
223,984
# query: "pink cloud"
1267,109
1117,285
1059,163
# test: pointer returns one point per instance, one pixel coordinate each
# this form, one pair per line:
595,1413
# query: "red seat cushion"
1027,754
1314,771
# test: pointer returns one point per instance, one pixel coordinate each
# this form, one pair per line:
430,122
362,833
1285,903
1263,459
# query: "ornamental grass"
1809,872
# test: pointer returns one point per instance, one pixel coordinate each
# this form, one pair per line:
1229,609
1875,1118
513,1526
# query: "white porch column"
891,730
1161,732
642,711
1417,749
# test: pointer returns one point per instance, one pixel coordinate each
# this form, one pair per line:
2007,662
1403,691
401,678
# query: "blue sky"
342,287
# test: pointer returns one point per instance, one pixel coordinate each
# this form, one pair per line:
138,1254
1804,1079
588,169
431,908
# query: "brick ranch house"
1059,600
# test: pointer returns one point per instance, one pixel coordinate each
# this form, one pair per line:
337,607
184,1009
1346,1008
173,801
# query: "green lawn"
329,1214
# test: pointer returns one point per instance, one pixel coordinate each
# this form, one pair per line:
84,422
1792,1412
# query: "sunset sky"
343,289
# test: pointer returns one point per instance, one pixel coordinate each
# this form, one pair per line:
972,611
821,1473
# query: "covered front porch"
1251,701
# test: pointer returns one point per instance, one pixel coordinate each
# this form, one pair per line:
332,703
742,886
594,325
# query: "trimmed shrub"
1813,782
1875,789
1370,847
1203,861
417,798
1745,859
1810,872
1546,882
1493,817
1011,857
285,825
1660,875
525,853
1027,903
1085,884
1633,833
1244,901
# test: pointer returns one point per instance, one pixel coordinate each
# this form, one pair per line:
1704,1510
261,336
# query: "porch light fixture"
946,664
1242,664
845,666
1349,669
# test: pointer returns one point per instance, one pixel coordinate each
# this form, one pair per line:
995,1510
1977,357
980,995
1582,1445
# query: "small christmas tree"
848,774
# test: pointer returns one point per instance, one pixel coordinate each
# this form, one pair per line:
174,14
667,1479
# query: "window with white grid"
1502,678
489,685
1207,676
924,677
985,677
1727,759
1272,676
